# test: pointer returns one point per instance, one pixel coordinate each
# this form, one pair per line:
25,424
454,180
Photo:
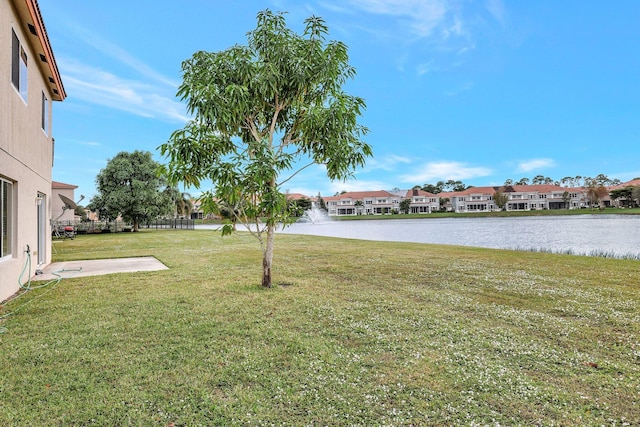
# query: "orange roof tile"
62,186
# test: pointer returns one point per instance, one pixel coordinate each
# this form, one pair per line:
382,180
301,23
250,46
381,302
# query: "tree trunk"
136,226
267,257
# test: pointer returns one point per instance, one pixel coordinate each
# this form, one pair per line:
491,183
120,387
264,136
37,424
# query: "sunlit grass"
358,333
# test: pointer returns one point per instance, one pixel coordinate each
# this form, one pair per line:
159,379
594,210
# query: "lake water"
612,235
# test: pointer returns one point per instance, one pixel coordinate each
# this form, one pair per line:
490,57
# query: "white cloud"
116,52
124,83
444,171
424,16
444,30
534,164
386,163
496,9
426,67
96,86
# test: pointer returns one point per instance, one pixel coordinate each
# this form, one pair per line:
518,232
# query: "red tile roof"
633,182
62,186
419,192
540,188
29,13
357,195
296,196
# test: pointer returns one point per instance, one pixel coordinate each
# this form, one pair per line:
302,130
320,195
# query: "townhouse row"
474,199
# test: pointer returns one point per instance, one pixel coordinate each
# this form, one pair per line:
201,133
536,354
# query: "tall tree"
263,112
537,180
595,193
602,179
625,193
452,185
566,198
129,186
405,206
299,206
430,188
567,181
500,198
182,204
321,204
635,194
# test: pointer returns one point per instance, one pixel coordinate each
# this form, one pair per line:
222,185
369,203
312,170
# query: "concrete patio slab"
98,267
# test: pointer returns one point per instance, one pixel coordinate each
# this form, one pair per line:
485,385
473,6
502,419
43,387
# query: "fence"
181,224
95,227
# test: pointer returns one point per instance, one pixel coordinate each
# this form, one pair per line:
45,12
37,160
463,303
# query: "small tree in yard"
500,198
405,206
261,114
595,194
130,187
635,194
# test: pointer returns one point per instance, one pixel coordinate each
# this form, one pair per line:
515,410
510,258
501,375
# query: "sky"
479,91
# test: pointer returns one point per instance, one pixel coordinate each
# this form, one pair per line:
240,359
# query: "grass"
357,333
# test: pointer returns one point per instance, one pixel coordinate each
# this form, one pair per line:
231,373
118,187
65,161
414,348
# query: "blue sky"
472,90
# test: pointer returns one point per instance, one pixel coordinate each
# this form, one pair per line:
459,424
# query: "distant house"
519,198
422,201
58,212
624,201
29,82
197,211
363,203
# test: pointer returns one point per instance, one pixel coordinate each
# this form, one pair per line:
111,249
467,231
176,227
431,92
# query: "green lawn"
356,333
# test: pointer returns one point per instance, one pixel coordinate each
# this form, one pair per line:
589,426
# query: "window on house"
45,114
6,195
18,66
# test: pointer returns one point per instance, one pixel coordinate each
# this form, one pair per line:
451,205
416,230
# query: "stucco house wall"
57,212
26,144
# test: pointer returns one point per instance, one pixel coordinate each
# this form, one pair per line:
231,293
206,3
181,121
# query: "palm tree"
359,205
566,197
184,205
537,180
181,201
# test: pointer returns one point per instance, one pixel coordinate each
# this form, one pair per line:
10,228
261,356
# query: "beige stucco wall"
25,154
57,213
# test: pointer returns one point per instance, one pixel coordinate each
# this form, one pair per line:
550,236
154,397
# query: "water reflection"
603,235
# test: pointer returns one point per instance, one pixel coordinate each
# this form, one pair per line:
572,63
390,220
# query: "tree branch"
295,173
